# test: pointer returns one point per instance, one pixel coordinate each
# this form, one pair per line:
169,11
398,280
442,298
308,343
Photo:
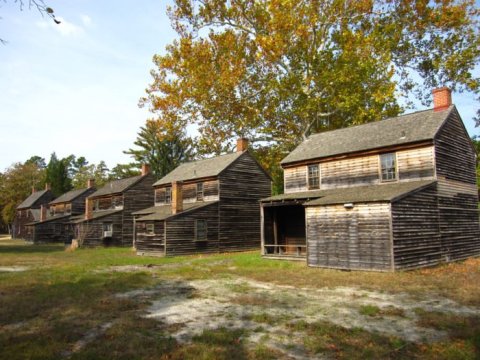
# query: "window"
68,208
199,191
96,205
168,195
150,229
107,230
388,167
200,230
313,177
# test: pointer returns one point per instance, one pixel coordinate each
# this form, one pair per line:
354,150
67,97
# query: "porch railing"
285,250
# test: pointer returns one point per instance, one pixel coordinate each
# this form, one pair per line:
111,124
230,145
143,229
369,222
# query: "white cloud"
86,20
65,28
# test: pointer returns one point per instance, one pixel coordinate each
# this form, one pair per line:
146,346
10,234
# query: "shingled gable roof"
68,196
404,129
200,168
32,199
117,186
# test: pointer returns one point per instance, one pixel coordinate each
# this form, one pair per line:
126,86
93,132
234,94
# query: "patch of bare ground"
276,316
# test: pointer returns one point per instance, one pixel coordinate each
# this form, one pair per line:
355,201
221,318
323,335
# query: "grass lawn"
109,303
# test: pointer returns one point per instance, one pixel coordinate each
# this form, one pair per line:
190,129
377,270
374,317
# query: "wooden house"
399,193
108,218
54,224
29,211
205,206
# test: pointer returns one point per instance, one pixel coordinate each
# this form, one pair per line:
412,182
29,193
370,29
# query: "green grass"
63,296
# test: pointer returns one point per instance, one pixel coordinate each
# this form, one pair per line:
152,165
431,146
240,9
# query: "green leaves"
281,69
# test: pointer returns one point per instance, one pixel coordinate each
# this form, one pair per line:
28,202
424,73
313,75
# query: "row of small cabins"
395,194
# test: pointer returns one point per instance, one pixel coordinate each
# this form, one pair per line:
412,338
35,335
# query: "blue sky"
74,88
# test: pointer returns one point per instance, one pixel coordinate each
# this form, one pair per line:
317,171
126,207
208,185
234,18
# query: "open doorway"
284,231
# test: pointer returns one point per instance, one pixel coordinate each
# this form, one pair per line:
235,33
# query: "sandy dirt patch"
265,309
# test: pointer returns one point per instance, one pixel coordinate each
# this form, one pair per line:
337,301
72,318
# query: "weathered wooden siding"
357,238
242,185
189,192
91,232
295,179
416,164
20,230
350,172
416,231
457,191
412,164
52,231
150,244
180,232
138,197
78,204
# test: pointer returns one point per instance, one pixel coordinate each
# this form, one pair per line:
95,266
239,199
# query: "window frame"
200,191
107,226
309,177
168,195
388,170
205,237
150,229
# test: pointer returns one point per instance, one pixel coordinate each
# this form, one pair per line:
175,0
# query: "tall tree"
162,145
98,172
16,185
277,70
122,171
57,174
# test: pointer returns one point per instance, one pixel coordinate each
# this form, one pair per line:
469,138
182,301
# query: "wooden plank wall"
150,244
457,191
189,192
93,231
416,231
180,232
295,179
355,239
413,164
78,204
57,231
416,164
138,197
242,185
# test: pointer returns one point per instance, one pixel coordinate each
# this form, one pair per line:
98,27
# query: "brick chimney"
442,98
33,190
177,197
47,186
242,144
88,208
90,183
43,212
145,169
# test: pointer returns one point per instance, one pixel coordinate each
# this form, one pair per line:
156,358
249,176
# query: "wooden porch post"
262,231
275,231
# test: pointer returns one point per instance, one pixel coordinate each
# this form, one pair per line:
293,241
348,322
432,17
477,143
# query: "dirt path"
264,310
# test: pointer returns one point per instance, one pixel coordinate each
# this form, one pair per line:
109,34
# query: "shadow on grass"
31,249
66,315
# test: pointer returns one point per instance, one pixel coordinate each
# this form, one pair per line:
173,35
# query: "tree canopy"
162,146
277,70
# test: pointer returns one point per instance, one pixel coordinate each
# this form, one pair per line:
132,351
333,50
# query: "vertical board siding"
416,236
457,191
180,232
356,239
242,185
